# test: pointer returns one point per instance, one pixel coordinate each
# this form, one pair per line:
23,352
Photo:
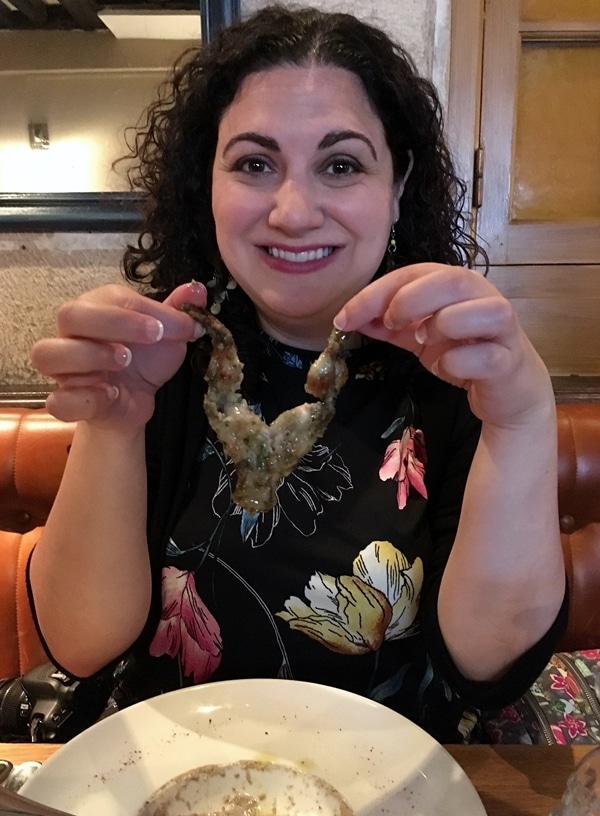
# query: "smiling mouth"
300,257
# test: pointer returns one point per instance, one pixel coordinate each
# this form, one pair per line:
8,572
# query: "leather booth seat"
34,448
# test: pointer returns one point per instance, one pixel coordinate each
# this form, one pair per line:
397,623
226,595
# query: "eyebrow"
328,140
341,135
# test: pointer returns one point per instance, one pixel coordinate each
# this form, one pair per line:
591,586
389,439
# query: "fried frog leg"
264,454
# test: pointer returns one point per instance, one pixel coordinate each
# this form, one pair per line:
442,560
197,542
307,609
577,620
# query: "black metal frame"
70,212
96,212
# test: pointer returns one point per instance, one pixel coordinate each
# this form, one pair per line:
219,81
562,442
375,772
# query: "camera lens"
14,708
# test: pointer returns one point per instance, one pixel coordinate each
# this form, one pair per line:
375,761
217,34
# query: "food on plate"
264,454
246,788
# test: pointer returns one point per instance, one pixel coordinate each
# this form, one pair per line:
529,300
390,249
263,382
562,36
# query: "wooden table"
512,780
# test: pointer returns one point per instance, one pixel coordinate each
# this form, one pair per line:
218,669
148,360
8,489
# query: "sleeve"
450,468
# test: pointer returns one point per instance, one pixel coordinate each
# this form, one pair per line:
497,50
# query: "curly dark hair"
174,147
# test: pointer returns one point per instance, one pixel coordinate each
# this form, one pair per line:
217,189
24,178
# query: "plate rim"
162,702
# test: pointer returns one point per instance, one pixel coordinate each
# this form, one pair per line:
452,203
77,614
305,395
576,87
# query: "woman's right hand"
114,348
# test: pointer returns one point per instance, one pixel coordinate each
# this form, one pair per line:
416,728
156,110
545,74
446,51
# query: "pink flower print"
590,654
574,728
566,683
511,714
558,734
405,461
187,627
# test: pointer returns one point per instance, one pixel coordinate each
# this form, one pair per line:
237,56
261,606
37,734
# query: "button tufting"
567,523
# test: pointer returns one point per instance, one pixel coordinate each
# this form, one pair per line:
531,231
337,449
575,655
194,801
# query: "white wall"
38,271
412,23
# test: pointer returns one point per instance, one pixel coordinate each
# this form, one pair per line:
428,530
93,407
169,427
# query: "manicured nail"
123,356
421,334
197,288
340,321
112,392
199,330
156,331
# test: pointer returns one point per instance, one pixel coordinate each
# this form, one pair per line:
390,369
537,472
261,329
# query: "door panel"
531,98
559,309
556,178
540,130
560,10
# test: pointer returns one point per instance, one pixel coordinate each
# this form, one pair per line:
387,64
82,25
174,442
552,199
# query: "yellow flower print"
355,614
383,566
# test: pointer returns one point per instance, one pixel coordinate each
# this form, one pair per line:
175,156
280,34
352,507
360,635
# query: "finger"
475,361
422,297
94,378
193,292
57,356
370,304
484,318
108,322
403,338
120,315
73,405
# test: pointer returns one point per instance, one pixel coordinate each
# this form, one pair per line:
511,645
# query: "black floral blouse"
338,583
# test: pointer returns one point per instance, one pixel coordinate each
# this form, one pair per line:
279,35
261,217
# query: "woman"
296,172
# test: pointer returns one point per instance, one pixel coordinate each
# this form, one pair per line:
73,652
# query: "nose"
296,207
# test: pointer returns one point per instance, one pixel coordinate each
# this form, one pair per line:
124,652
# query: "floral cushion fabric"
561,708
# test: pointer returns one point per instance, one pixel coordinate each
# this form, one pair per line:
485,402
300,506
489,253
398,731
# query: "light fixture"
38,136
132,24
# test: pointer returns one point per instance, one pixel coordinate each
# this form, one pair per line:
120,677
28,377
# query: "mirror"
70,92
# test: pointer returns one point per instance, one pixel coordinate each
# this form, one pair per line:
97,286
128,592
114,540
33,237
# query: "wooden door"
525,99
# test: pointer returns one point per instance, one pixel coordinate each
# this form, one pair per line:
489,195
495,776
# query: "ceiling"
29,15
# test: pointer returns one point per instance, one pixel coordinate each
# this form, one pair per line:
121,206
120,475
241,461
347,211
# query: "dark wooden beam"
84,13
35,11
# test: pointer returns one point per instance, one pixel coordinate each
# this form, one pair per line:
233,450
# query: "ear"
399,185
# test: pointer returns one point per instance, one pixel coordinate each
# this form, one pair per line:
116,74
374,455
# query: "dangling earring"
219,292
392,246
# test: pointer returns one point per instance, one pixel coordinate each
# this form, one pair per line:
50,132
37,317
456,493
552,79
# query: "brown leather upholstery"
34,448
33,451
579,510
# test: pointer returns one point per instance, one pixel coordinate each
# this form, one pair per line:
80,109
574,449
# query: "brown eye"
343,167
253,166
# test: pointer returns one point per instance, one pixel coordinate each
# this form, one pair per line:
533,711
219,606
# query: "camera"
47,705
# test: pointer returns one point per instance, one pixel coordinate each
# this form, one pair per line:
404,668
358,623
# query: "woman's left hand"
462,329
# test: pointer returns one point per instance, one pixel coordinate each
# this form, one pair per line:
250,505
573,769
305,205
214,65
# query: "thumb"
193,292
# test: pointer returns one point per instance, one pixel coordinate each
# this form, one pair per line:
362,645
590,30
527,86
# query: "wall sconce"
38,136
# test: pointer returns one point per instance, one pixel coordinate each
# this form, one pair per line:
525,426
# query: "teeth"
300,257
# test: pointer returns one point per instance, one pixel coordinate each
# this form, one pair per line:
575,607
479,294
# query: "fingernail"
197,288
112,392
387,322
123,356
199,330
421,334
156,331
340,321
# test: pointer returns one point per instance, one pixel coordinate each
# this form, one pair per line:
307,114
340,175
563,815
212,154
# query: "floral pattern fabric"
561,708
347,614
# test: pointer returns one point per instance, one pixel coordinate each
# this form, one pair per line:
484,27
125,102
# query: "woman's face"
303,196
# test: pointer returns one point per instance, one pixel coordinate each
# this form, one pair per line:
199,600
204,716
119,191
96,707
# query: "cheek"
233,210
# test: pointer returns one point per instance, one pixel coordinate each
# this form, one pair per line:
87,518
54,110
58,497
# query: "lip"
298,267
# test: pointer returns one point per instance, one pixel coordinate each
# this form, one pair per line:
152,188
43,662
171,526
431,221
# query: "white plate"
383,764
